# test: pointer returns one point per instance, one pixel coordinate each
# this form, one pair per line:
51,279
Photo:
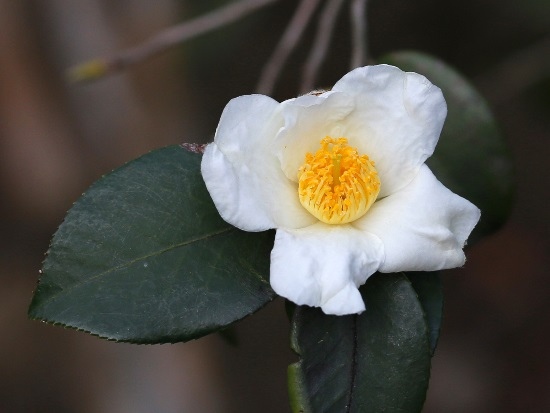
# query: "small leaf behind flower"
471,157
378,361
143,256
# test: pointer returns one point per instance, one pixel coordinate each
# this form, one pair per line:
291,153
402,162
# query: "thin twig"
358,11
320,46
164,40
288,42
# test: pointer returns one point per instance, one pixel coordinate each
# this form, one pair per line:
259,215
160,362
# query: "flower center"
336,184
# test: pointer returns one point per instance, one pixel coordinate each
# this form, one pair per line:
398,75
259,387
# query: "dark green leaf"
144,257
471,158
378,361
430,294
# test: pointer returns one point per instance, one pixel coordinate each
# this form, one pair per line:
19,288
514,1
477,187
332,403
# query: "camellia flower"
341,176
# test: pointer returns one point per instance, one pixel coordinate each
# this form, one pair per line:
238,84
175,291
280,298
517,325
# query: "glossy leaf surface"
143,256
373,362
430,294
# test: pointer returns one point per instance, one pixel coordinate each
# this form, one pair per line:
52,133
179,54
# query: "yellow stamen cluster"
336,184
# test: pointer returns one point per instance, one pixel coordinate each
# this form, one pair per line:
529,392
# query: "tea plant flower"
341,176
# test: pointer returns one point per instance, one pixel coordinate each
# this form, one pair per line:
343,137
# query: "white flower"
341,176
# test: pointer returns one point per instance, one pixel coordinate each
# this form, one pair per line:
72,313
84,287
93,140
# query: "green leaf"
144,257
378,361
471,158
430,294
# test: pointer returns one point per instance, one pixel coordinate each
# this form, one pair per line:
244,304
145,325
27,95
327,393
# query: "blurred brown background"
56,139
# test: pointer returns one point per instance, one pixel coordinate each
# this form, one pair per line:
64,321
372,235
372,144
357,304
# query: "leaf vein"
353,366
133,261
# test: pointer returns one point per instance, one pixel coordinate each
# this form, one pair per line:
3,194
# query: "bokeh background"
57,138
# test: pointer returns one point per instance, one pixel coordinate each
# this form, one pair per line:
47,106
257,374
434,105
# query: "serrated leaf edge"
129,263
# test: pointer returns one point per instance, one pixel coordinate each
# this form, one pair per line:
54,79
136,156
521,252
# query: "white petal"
248,124
242,174
322,266
423,227
397,120
307,120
